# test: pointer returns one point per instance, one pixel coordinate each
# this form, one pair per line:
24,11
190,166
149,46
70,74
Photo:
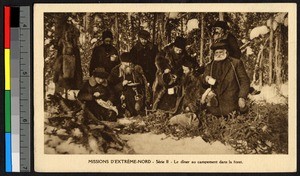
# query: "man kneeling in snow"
228,83
129,84
191,87
98,97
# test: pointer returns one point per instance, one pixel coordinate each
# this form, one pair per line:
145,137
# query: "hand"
96,94
113,57
207,78
167,70
210,80
109,102
125,82
242,102
187,109
122,97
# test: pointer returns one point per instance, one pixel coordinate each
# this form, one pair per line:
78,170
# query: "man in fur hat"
169,62
130,86
105,55
227,80
143,53
221,34
98,97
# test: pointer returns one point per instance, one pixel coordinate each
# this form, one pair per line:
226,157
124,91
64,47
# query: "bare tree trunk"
163,31
258,64
278,59
117,31
201,38
262,57
139,21
132,30
271,52
210,54
181,26
154,27
221,16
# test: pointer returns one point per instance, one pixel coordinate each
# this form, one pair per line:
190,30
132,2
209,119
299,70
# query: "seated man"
98,97
130,85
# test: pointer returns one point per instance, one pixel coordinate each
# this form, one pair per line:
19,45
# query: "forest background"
263,40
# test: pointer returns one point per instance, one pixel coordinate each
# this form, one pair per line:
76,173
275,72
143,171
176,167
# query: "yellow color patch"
7,68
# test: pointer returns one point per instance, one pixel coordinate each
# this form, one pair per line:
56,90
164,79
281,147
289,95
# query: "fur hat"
221,24
107,34
188,63
126,57
219,45
100,73
180,42
144,34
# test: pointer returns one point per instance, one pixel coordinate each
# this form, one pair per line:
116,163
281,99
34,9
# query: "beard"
128,70
220,57
106,47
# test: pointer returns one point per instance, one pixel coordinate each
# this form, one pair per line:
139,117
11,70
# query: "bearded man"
191,87
130,85
105,55
143,53
221,34
228,82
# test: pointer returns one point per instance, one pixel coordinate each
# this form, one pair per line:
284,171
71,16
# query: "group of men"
146,79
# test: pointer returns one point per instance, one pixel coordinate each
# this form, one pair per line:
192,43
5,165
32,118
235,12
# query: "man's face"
99,80
107,41
143,41
218,30
220,54
177,50
218,33
127,67
186,70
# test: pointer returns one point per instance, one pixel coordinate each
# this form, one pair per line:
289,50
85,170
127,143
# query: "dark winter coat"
168,93
137,76
226,88
73,83
101,58
233,46
145,57
86,94
191,92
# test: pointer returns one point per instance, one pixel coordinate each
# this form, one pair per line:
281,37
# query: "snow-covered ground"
149,143
272,94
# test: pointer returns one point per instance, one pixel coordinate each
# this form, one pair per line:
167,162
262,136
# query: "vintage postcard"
165,87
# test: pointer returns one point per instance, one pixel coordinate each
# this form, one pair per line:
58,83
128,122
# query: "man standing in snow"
221,34
98,97
67,66
143,53
105,55
228,82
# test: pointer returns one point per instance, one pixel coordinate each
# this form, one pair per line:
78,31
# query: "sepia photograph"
178,83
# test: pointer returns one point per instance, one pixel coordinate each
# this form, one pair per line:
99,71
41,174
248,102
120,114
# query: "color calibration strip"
17,88
8,153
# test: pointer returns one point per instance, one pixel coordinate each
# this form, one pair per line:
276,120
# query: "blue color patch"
8,154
